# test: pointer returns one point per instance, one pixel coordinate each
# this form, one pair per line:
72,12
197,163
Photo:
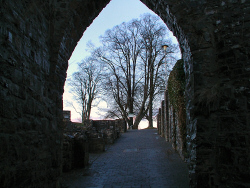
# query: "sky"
116,12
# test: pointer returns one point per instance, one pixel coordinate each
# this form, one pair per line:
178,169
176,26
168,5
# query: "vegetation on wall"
176,96
176,85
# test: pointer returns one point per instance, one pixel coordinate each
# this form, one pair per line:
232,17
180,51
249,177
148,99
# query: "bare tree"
84,85
135,63
120,52
153,60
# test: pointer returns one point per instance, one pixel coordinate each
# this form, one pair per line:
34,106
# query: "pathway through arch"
139,158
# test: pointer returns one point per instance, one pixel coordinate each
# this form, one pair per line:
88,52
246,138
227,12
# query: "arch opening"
198,29
177,31
123,11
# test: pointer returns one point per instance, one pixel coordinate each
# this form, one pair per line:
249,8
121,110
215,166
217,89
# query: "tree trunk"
138,120
83,116
150,114
151,95
131,122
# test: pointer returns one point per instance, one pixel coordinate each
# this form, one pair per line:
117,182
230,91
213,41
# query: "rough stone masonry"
37,39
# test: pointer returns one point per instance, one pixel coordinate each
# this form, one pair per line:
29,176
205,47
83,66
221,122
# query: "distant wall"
103,132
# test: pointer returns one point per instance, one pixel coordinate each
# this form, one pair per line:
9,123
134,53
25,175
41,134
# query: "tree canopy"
134,67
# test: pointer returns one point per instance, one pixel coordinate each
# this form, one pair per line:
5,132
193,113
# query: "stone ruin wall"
91,137
171,130
104,132
216,58
172,113
30,135
33,66
37,39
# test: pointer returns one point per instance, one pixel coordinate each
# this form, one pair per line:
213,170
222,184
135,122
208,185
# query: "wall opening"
113,14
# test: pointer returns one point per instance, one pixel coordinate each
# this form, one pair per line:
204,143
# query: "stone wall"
103,132
37,39
33,63
108,129
173,117
30,107
75,148
213,40
81,139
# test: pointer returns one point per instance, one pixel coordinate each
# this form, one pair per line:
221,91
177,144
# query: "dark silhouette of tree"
135,67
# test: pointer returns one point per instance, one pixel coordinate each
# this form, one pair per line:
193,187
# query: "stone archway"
37,39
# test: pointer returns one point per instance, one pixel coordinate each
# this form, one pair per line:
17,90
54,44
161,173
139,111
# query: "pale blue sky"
116,12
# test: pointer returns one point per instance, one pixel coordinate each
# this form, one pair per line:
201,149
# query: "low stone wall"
108,129
91,137
121,125
75,148
102,132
